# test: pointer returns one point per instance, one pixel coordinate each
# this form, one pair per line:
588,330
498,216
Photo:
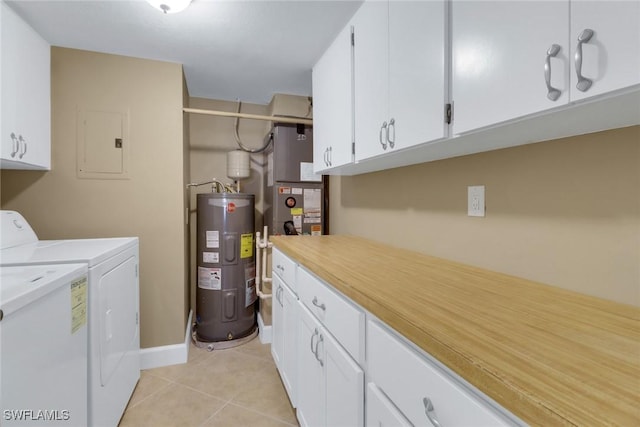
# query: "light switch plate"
475,203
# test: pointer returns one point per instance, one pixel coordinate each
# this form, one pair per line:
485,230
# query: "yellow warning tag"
246,245
296,211
78,304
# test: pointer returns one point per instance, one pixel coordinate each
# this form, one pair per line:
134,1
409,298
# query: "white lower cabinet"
319,342
284,335
331,383
422,391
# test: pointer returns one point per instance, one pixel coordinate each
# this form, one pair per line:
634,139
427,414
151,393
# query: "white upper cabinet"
25,133
516,59
333,105
610,58
501,53
418,71
371,79
400,58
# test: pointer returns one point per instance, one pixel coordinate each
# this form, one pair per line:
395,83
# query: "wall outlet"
475,200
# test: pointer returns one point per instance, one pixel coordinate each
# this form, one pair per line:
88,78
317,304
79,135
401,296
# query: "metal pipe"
225,187
249,116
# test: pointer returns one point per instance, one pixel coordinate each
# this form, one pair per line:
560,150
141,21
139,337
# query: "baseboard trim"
165,355
265,331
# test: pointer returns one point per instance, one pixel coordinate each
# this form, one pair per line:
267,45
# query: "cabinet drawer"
341,318
381,412
285,267
408,378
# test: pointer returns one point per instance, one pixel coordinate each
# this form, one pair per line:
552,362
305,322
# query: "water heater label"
246,245
210,278
250,280
213,239
210,257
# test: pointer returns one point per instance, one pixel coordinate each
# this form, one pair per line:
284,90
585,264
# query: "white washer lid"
90,251
22,285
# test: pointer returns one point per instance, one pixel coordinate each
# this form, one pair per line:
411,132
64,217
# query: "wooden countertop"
550,356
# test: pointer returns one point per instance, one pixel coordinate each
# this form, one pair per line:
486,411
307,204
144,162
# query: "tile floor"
224,388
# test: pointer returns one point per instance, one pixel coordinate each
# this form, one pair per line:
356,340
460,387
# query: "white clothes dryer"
113,294
43,345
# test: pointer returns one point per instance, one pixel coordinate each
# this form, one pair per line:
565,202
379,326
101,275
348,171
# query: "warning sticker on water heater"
246,245
210,278
250,280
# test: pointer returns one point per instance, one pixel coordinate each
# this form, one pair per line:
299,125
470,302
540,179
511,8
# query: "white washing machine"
43,345
113,295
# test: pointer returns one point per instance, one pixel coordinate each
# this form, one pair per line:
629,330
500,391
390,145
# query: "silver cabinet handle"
314,350
317,333
583,83
24,145
320,339
331,156
280,290
392,124
431,412
280,267
320,306
15,145
326,156
383,129
552,93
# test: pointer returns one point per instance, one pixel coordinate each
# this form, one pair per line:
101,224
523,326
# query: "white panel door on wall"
500,51
611,57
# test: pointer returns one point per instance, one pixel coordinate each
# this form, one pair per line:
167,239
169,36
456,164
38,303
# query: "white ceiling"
230,49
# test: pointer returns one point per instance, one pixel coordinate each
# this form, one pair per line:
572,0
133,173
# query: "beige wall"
564,212
211,137
148,204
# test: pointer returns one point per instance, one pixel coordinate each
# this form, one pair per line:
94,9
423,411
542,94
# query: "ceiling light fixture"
170,6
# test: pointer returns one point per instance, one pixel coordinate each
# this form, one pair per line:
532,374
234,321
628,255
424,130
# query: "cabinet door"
26,98
10,93
381,412
499,53
418,82
311,384
277,323
289,359
371,79
35,99
333,105
344,385
611,58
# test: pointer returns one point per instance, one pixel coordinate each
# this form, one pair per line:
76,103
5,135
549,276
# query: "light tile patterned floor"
224,388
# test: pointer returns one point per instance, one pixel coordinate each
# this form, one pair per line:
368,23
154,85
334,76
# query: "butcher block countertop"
550,356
